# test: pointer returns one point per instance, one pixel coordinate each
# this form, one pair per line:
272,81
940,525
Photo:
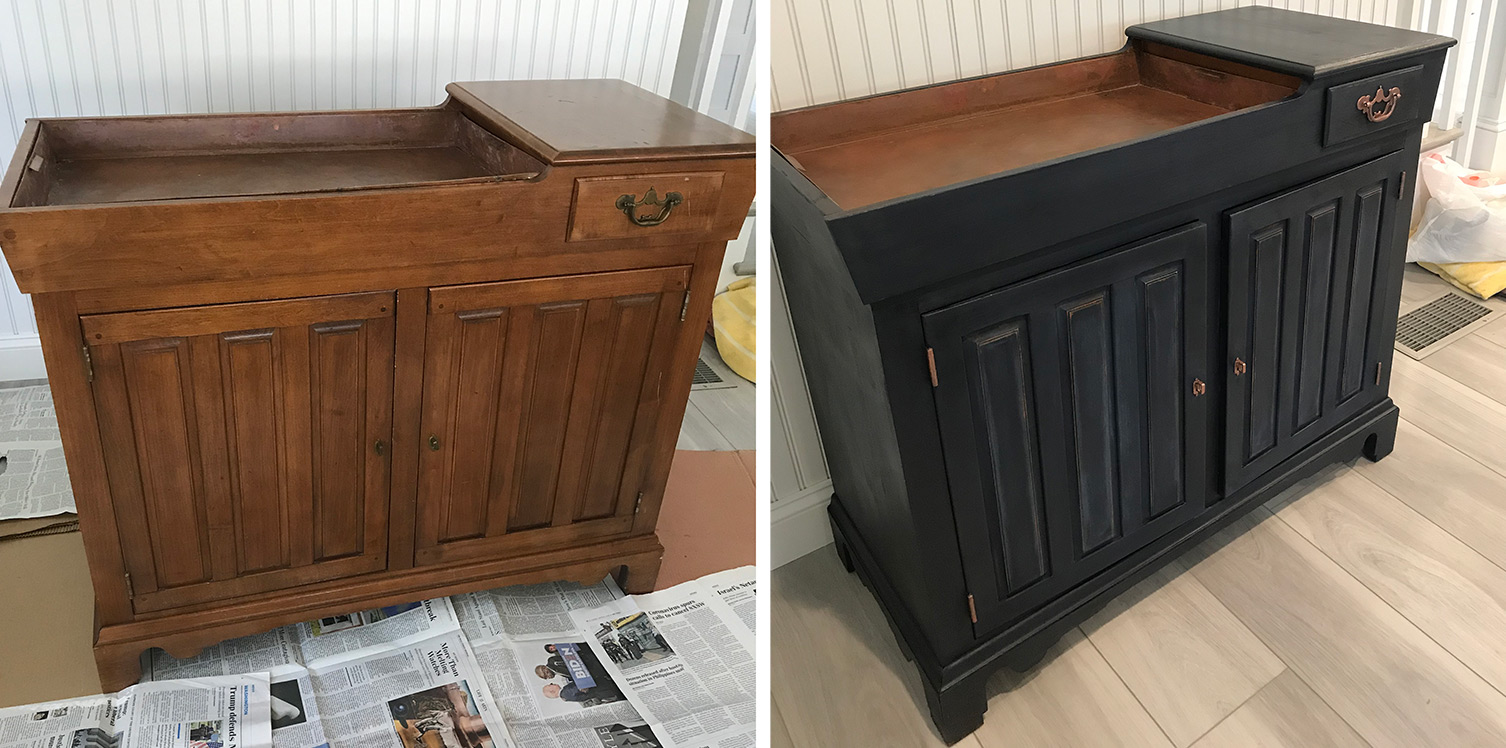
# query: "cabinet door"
240,443
541,398
1070,421
1307,273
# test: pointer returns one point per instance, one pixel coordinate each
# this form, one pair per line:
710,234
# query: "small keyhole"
433,443
380,448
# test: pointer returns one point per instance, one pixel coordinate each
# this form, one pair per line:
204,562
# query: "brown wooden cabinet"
312,363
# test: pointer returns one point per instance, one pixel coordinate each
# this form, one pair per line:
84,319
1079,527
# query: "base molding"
21,359
117,647
798,524
955,689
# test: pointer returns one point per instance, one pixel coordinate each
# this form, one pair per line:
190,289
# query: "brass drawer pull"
1382,97
1198,388
629,206
1239,367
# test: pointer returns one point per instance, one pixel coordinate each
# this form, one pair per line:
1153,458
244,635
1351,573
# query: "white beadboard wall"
829,50
62,58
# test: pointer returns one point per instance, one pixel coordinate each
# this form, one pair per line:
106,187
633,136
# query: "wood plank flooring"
1364,607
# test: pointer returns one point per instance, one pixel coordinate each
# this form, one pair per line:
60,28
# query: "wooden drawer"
1376,103
660,204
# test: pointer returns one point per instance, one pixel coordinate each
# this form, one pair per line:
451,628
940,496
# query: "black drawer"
1375,103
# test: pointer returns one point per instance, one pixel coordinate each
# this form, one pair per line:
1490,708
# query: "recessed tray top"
868,151
113,160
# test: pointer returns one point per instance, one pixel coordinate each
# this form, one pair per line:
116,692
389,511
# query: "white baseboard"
798,524
21,359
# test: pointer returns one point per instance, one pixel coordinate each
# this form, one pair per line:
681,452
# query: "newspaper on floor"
309,643
33,474
429,692
684,658
223,711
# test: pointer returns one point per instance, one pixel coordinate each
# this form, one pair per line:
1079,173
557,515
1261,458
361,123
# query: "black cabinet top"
1300,44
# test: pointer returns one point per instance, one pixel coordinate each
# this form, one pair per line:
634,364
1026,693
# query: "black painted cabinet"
1110,330
1066,403
1308,341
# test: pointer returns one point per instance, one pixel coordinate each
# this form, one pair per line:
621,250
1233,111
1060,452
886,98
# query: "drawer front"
1375,103
644,205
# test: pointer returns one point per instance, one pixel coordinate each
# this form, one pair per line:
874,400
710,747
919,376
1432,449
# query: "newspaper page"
218,712
685,661
430,692
34,481
312,642
738,588
528,611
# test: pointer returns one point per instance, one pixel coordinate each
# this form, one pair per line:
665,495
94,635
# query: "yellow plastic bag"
734,315
1483,279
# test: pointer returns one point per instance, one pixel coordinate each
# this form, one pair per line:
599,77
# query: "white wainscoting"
62,58
829,50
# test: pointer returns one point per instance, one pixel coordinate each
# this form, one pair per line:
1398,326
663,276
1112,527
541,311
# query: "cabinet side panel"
845,370
1000,363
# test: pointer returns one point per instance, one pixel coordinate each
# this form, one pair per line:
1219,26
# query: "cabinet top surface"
1296,43
594,121
485,132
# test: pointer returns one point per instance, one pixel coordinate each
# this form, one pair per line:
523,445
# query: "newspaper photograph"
295,709
427,693
218,712
684,659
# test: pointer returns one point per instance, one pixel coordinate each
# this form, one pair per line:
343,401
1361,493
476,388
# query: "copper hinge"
1401,188
638,504
1379,367
972,609
685,305
931,361
130,589
88,364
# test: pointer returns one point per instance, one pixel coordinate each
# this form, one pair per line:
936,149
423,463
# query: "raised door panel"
1066,408
540,400
1306,270
245,460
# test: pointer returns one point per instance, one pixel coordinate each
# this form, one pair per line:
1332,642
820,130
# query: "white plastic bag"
1465,218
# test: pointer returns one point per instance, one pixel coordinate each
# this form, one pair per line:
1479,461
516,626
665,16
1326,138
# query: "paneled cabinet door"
540,405
245,444
1073,417
1307,331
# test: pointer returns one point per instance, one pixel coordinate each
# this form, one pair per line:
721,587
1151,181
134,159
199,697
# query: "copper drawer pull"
1368,104
629,206
1239,367
1198,388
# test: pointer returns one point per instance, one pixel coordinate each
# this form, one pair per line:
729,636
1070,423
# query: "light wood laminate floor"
1366,606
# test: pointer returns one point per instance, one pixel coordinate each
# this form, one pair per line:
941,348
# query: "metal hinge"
972,609
931,361
685,305
1401,188
1379,367
88,364
130,589
638,504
